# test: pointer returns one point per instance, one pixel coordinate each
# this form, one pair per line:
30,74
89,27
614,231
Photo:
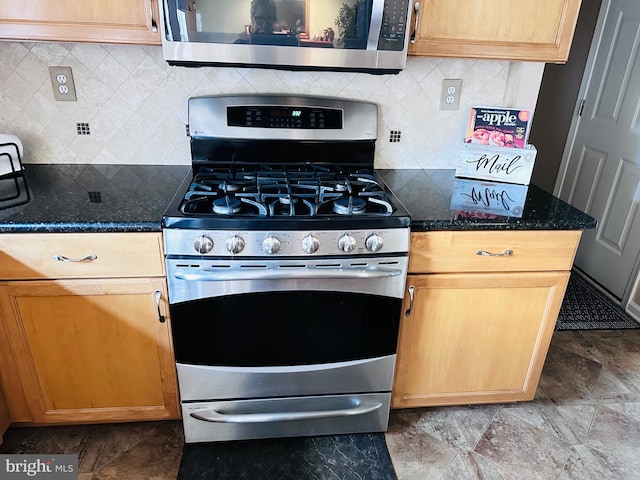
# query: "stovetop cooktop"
284,197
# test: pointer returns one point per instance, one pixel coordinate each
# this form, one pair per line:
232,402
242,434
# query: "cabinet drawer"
533,250
31,255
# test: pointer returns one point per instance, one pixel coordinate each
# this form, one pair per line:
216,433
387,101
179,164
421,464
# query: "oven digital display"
284,117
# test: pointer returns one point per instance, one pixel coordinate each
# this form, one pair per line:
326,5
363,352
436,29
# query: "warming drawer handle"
416,8
86,258
206,276
484,253
212,415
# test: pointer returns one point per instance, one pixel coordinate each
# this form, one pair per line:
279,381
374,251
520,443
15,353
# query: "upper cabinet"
540,30
104,21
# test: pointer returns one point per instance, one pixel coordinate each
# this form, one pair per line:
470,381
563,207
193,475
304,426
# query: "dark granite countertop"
132,198
92,198
437,200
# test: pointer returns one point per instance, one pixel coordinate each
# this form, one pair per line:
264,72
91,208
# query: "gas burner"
290,205
341,187
226,205
287,200
350,206
230,187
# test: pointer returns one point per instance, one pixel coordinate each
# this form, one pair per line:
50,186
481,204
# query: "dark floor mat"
361,456
587,308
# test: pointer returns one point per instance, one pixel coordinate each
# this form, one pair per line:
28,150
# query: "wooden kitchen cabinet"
479,327
539,31
90,344
105,21
5,417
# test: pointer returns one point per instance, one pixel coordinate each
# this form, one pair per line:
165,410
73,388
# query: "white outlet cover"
450,96
64,88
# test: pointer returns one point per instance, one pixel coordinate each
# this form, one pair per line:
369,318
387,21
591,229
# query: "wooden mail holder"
500,164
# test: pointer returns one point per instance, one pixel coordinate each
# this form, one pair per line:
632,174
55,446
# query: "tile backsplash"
132,106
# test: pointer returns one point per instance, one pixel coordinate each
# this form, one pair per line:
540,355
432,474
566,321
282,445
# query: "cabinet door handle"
416,8
408,311
158,297
154,25
86,258
484,253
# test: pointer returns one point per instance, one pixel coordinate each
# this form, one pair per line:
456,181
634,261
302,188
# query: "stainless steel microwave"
352,35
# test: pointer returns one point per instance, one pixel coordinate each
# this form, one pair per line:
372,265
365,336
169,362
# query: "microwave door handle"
212,415
375,26
288,274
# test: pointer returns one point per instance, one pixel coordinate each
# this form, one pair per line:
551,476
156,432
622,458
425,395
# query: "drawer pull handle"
416,8
154,25
408,311
160,315
484,253
86,258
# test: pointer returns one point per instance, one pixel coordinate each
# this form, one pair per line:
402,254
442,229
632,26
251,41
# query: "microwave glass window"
297,23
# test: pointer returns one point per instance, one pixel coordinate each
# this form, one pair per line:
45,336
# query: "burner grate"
300,190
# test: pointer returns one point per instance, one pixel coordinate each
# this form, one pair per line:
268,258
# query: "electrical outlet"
62,81
450,98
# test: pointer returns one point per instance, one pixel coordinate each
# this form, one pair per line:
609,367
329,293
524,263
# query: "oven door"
294,317
280,348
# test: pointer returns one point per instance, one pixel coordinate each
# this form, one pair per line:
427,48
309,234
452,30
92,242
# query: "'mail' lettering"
488,196
494,165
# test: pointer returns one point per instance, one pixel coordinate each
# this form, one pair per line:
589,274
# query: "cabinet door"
104,21
476,338
89,351
540,30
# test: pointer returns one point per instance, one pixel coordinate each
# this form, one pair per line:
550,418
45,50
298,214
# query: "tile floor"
584,424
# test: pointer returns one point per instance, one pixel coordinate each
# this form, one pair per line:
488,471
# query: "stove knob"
346,243
374,242
234,244
310,244
203,244
271,245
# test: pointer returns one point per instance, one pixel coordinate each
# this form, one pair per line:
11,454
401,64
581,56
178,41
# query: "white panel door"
603,166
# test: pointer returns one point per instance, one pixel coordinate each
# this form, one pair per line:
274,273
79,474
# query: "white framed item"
489,198
500,164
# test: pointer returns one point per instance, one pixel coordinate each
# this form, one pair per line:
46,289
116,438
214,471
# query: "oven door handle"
287,274
212,415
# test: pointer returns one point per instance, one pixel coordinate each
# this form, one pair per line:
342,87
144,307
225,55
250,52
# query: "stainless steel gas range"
286,259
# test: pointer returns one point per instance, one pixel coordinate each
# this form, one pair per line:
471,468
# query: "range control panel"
267,116
285,243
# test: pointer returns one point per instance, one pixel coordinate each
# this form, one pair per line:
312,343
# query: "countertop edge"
432,226
82,227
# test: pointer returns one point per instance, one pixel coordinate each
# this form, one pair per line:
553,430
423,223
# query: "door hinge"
581,108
